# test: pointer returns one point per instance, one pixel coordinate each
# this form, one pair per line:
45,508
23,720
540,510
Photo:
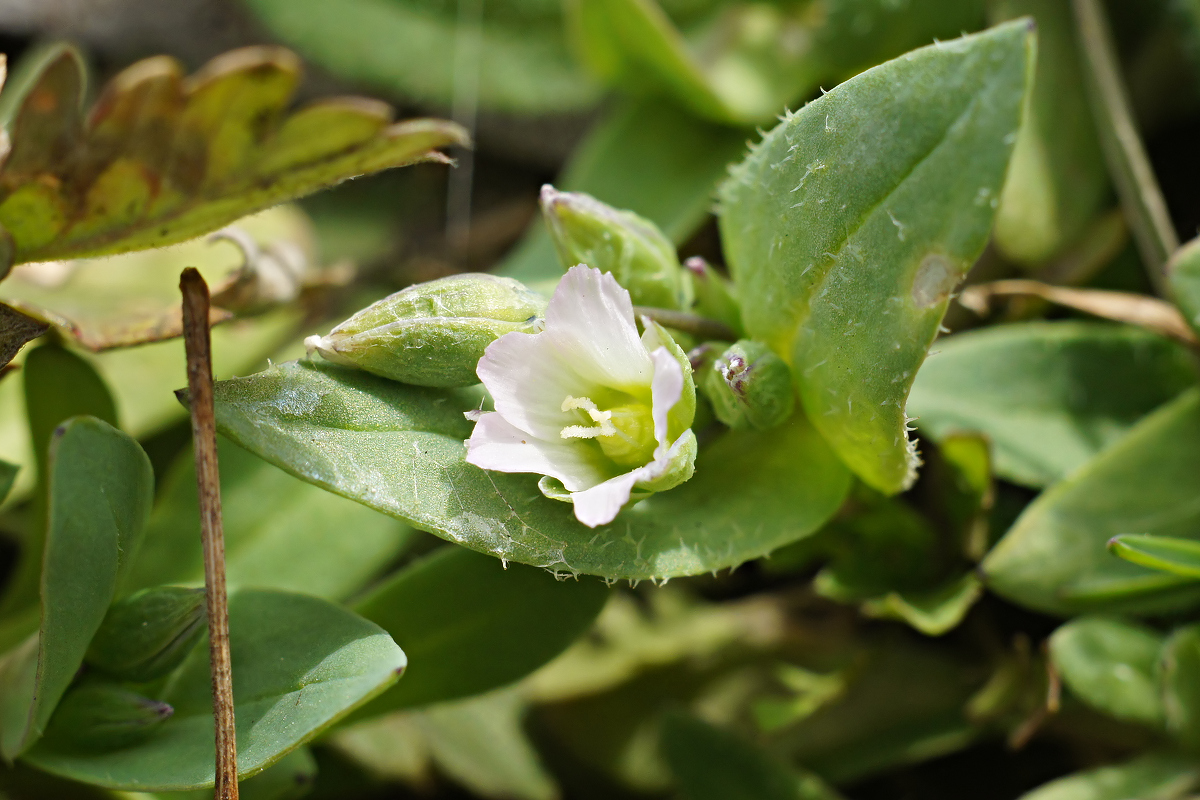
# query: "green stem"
700,327
1137,188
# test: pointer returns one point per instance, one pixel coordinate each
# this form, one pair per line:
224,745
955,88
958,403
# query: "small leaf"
100,485
648,156
1183,274
1112,666
1165,553
451,607
933,612
1049,395
848,227
299,664
16,330
399,449
712,764
1055,557
1161,777
161,159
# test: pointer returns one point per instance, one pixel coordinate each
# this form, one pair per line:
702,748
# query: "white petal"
498,445
600,504
590,323
665,391
528,383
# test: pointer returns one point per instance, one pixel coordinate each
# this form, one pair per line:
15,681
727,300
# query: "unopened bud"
633,249
149,633
713,293
434,333
105,716
749,387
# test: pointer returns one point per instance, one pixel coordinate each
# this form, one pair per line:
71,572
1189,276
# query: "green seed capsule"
105,716
149,633
434,333
633,249
749,387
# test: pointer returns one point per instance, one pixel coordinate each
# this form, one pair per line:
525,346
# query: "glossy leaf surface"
399,449
849,225
1049,395
1055,557
300,663
1111,665
100,485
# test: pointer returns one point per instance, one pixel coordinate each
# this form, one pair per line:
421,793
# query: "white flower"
588,402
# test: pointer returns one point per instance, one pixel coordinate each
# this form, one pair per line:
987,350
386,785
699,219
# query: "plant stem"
198,343
1137,188
701,327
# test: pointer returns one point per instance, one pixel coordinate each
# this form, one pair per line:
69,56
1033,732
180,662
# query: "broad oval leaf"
1055,557
399,449
849,225
303,540
161,158
469,625
1049,395
1111,665
299,664
1155,775
100,485
1181,684
1165,553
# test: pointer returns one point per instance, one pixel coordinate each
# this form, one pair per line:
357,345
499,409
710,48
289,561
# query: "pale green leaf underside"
1048,395
849,225
399,449
299,664
1055,557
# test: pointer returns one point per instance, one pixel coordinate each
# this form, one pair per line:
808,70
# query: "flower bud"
434,333
713,293
149,633
633,249
105,716
749,387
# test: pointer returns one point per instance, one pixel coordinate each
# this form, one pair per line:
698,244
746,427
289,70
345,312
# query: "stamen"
604,418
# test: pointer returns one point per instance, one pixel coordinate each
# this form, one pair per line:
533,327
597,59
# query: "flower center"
624,432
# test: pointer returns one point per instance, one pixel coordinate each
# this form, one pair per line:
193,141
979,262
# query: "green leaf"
299,664
1049,395
399,449
16,330
1180,675
647,156
58,385
8,476
408,48
454,605
1055,557
290,778
712,764
932,612
297,542
100,485
850,224
1153,776
1183,275
72,188
1111,665
1058,180
1165,553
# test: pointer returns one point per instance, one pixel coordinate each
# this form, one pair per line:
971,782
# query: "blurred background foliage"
867,657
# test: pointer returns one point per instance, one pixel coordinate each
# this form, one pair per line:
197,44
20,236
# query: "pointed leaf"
299,664
399,449
1055,557
100,485
455,604
1111,665
1049,395
847,228
1165,553
161,159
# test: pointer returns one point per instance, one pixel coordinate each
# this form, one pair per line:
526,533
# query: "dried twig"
1135,309
197,340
